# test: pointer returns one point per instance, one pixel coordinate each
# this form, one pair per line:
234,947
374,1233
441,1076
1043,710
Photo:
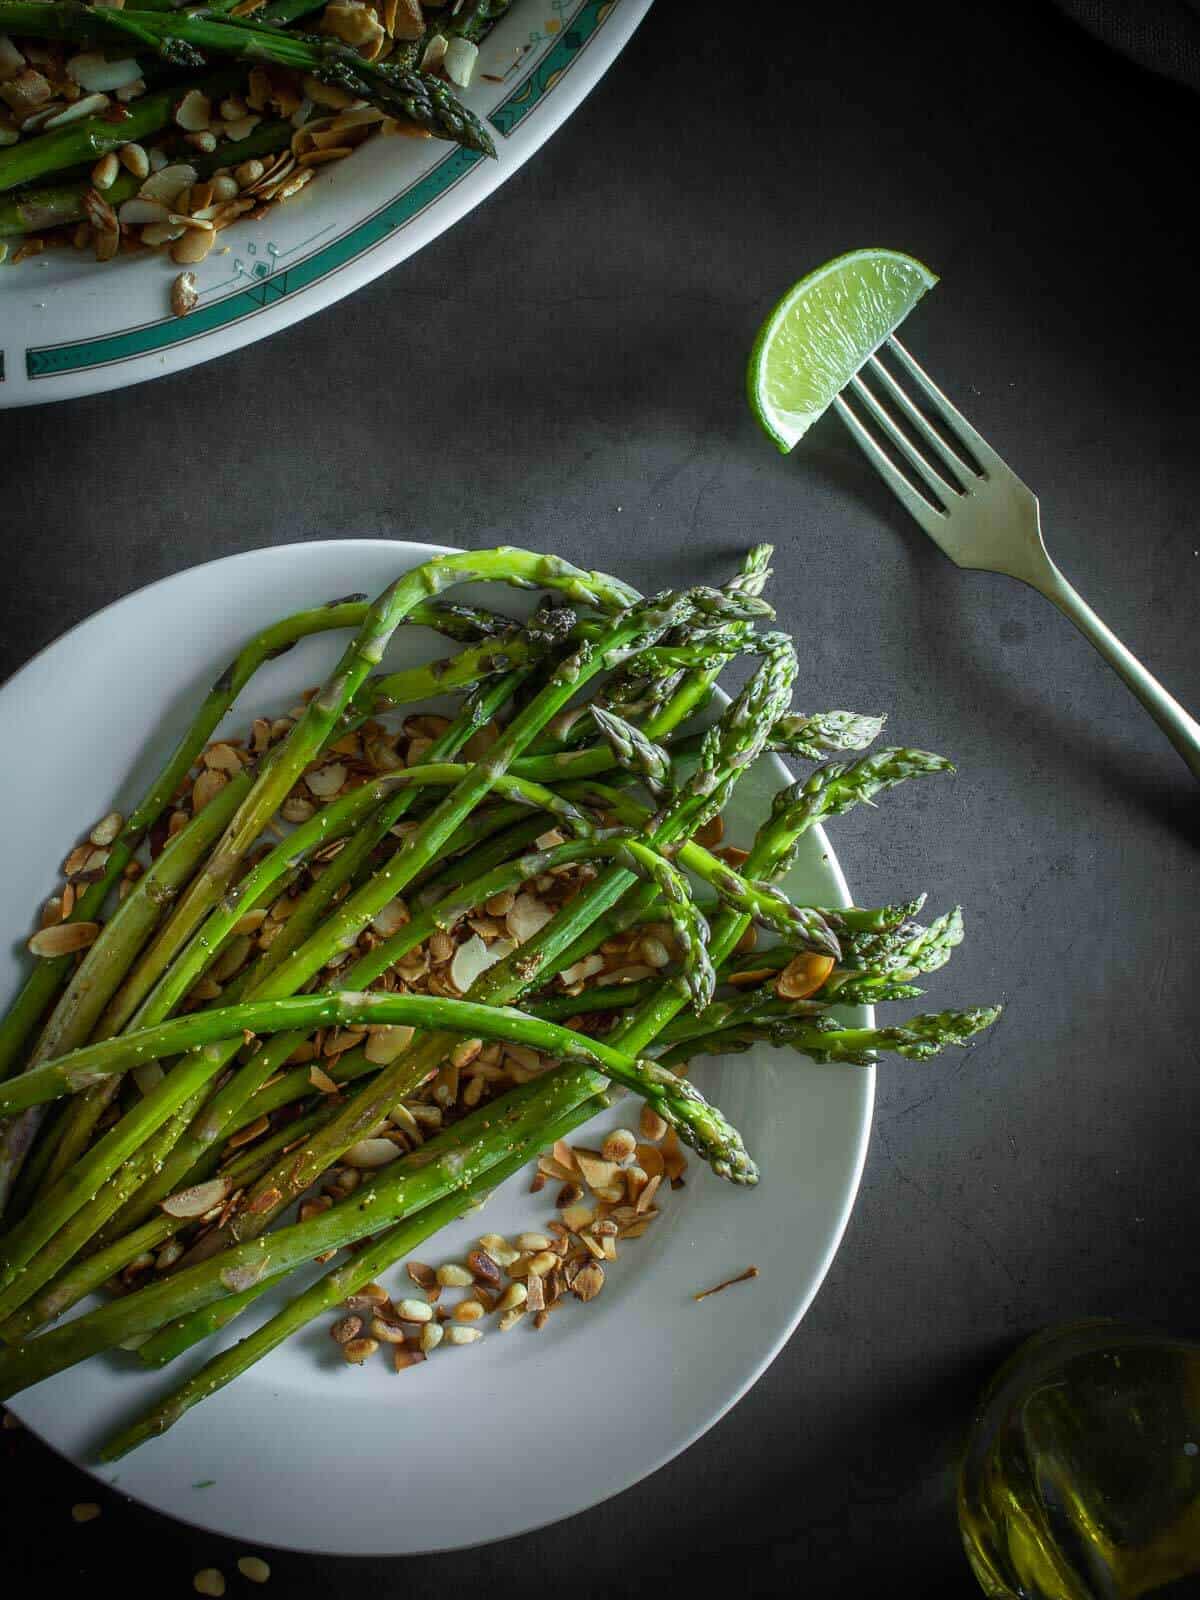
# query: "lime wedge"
822,331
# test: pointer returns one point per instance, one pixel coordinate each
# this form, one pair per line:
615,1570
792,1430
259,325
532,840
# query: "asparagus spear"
823,733
331,1290
502,982
447,1164
86,140
640,626
635,752
917,1039
92,1271
398,91
521,568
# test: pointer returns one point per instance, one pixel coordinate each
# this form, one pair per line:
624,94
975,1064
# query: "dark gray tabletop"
564,370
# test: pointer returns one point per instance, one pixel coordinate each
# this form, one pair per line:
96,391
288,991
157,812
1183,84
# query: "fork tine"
967,476
921,510
945,492
971,437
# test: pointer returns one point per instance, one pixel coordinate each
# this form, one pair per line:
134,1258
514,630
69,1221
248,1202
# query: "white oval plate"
522,1428
70,326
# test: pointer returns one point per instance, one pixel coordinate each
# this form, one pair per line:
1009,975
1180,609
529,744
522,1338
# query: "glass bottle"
1081,1479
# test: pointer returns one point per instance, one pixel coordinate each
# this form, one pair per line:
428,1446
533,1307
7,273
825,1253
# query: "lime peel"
823,331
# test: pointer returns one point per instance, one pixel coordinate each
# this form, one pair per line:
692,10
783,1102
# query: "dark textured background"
563,369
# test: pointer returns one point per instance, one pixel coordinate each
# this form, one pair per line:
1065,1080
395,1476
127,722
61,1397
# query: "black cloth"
1161,35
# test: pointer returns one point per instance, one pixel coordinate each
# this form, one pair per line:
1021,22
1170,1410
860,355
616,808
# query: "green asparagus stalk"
917,1039
634,751
85,141
331,1290
822,733
33,210
447,1164
49,975
92,1271
398,91
507,979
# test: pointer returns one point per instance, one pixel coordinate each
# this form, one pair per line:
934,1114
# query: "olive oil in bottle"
1081,1479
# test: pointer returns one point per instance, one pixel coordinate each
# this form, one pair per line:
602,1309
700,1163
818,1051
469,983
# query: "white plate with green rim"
71,326
302,1451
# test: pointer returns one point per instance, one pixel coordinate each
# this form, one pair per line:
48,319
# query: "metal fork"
980,513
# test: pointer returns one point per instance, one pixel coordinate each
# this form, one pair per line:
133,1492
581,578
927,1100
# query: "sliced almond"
803,976
64,938
194,1202
598,1173
385,1043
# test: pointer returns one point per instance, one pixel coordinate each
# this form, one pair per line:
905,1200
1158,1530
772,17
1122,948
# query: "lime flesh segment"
824,329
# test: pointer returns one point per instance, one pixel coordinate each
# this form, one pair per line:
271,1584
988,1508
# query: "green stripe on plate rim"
128,344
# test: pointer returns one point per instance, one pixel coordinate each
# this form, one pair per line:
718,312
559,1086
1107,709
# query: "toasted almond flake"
64,938
194,112
368,1153
94,73
651,1125
107,829
564,1155
209,784
803,976
389,919
527,916
459,61
580,971
184,296
326,781
619,1146
498,1248
168,182
712,832
589,1281
673,1157
194,1202
90,105
222,757
474,957
597,1172
159,233
254,1569
385,1043
631,974
650,1158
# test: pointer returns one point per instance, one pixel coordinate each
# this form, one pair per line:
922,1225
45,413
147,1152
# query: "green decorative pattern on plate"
271,285
571,39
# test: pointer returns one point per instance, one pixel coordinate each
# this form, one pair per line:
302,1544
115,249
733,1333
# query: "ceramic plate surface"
303,1451
70,326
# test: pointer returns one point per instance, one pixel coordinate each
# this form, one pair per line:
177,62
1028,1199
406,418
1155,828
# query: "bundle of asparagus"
191,118
427,951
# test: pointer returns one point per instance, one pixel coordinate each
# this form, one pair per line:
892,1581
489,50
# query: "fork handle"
1182,729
